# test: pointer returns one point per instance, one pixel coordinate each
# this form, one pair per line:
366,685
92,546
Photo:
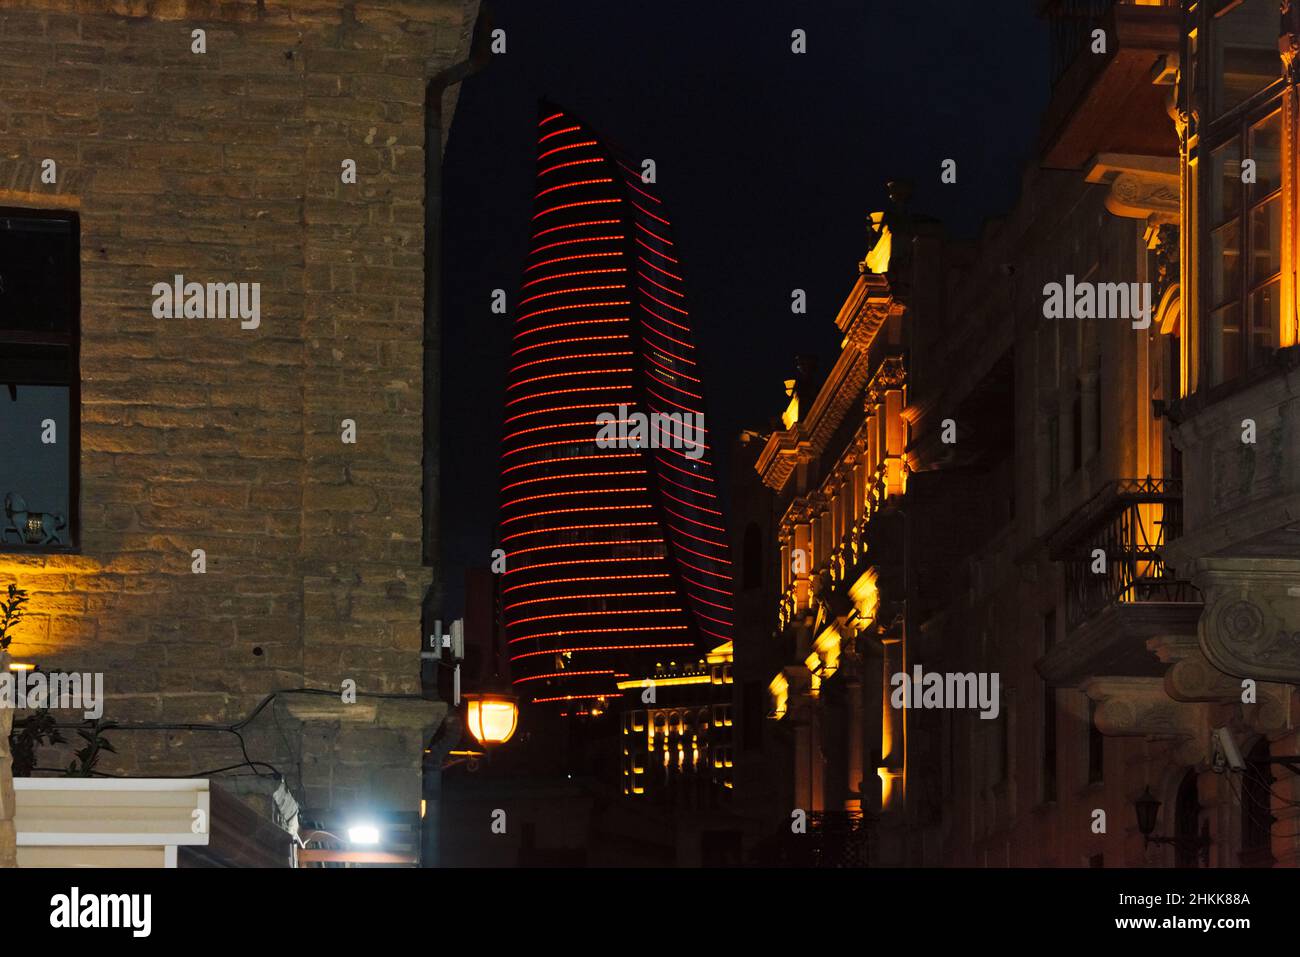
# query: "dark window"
1049,715
1256,809
1096,746
1049,743
1187,819
1004,744
753,557
754,706
1053,454
1096,406
40,398
1076,427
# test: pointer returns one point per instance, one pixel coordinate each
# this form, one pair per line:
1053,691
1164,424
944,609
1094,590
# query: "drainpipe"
432,411
430,609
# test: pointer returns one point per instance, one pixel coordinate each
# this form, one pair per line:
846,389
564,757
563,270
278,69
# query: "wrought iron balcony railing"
1112,548
833,839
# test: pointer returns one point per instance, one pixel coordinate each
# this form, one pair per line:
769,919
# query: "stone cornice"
869,306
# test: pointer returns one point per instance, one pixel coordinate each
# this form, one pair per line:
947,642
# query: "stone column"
851,666
892,721
8,839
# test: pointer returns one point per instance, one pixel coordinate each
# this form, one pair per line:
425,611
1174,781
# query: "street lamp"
1147,806
363,834
491,717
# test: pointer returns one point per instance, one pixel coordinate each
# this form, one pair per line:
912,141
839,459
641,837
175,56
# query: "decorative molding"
1251,624
1195,679
1288,41
1139,707
1141,187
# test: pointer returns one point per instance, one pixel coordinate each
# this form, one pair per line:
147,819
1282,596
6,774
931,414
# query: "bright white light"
363,834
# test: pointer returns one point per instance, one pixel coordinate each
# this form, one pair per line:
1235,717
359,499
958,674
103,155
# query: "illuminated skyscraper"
616,552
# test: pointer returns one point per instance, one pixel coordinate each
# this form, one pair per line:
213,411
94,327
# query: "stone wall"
225,166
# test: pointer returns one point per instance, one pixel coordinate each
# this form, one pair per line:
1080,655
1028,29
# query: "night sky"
767,161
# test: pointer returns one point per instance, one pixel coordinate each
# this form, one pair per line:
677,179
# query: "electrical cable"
233,729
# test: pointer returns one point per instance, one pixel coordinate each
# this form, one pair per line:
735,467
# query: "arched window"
753,557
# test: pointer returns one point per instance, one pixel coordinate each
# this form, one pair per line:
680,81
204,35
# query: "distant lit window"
39,380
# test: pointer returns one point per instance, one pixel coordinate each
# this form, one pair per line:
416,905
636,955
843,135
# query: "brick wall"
225,167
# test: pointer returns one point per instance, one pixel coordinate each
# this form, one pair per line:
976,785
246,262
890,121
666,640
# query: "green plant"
11,613
88,757
37,729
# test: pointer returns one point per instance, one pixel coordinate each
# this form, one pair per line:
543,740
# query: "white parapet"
109,822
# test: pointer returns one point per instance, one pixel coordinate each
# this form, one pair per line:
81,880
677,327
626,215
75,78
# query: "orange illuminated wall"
615,557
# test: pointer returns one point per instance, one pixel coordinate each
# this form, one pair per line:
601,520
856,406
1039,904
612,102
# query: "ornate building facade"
1094,503
837,471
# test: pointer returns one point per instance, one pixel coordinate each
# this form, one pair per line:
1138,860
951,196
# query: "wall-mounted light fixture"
1147,807
491,717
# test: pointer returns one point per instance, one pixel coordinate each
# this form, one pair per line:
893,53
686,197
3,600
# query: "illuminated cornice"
864,314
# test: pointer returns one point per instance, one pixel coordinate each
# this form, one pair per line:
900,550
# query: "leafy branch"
11,613
88,756
36,730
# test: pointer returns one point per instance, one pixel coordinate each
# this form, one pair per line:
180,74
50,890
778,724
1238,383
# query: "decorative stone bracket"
1141,187
1139,707
1192,678
1251,624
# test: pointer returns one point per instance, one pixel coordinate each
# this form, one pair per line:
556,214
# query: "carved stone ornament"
1139,707
1141,187
1288,41
1251,623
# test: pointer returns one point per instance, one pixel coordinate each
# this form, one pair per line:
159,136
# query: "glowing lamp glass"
492,718
363,834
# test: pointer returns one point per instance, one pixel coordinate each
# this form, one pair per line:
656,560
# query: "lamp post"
490,713
1147,807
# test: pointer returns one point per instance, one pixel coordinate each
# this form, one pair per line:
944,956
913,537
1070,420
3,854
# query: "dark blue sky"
768,163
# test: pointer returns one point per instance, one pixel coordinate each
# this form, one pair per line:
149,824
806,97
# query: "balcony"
1111,102
1119,592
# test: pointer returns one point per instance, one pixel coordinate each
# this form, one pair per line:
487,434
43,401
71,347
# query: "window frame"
1209,135
71,344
